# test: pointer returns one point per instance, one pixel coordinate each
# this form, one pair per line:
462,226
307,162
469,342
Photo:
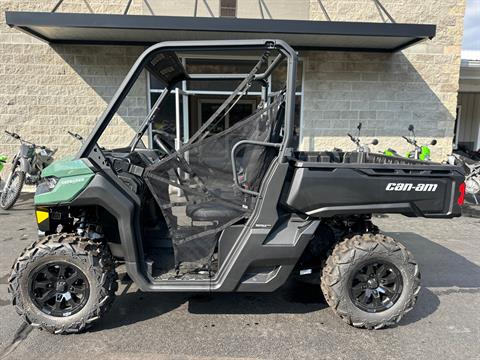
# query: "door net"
203,171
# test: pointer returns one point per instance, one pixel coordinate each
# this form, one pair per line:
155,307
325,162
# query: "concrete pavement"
292,323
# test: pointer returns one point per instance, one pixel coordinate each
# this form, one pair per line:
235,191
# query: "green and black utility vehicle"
227,209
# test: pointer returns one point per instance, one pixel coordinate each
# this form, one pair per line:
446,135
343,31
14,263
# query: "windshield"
127,121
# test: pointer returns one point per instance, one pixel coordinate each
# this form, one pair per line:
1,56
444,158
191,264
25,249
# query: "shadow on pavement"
427,304
137,306
440,268
24,202
293,298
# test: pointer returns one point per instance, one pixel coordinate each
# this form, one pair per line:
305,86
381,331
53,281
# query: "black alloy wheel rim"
376,286
59,289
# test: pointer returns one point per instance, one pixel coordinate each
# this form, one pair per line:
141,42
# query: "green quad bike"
421,152
233,209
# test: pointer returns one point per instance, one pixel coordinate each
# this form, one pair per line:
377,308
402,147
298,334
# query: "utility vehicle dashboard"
128,166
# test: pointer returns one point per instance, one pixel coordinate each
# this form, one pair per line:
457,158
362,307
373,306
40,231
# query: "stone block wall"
46,90
252,9
386,92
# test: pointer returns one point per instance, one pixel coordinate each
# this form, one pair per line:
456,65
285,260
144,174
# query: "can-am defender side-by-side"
232,208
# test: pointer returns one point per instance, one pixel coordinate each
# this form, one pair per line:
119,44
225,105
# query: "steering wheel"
164,141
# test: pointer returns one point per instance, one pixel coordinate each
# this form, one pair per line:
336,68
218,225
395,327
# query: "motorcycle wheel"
472,186
13,188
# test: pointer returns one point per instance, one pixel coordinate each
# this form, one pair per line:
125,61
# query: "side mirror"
434,142
374,142
410,127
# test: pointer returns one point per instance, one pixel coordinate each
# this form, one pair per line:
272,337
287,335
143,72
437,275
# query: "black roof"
76,28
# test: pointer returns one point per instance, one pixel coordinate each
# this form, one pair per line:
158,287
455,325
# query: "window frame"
184,57
220,7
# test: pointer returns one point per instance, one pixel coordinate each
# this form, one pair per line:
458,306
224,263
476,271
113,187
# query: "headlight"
47,185
51,182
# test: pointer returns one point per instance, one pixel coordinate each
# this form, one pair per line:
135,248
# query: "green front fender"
71,175
425,153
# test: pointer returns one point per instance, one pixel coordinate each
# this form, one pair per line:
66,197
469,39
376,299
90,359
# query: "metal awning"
69,28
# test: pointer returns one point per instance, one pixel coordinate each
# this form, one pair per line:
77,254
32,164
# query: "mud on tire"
95,262
355,253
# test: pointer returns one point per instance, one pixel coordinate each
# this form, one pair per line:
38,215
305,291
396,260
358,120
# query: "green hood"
70,175
68,166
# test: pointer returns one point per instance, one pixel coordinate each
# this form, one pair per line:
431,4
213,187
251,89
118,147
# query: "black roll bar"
265,44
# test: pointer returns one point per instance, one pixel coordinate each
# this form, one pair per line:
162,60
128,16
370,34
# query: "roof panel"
67,28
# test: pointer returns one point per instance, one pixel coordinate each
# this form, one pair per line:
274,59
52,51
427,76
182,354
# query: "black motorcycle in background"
467,153
27,166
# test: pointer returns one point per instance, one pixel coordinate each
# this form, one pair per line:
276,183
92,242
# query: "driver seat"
211,211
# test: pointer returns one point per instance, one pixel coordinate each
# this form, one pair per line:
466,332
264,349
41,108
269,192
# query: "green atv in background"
234,208
421,152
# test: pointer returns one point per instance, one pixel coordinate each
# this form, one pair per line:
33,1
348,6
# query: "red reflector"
461,198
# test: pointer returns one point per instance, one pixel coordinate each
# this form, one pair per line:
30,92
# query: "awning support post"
88,6
149,7
57,5
127,7
381,9
324,10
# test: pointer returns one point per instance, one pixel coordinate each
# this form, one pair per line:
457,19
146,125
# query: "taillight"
461,198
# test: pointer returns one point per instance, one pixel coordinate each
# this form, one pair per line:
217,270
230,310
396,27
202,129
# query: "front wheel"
13,188
63,283
370,281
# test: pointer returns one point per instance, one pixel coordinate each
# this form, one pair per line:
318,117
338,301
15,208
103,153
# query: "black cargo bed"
344,183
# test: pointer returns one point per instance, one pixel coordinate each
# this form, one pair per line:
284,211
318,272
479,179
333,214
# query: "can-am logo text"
411,187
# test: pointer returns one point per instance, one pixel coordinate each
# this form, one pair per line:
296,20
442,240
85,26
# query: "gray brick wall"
387,92
254,9
47,90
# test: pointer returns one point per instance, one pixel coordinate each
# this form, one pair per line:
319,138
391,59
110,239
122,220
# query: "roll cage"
161,60
258,203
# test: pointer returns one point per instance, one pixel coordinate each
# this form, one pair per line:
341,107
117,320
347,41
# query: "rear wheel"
13,188
472,185
370,281
63,283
